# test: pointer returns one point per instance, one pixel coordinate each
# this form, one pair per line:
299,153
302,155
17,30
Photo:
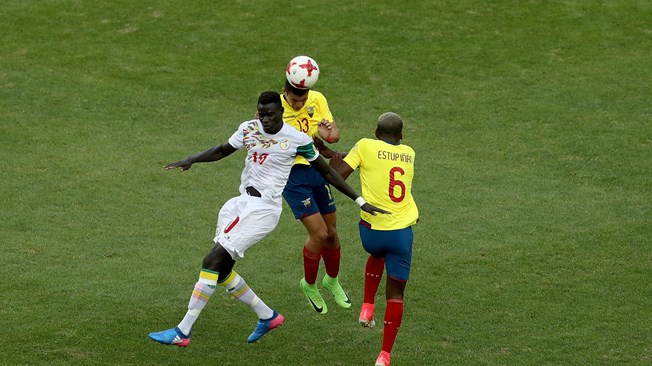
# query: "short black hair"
296,91
270,97
390,123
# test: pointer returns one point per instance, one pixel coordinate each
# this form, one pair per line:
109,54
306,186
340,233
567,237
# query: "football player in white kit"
272,147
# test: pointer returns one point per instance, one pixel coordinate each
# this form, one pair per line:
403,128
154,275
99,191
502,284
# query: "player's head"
390,125
295,97
270,111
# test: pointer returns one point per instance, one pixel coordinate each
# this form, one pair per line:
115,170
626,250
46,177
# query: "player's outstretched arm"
326,151
334,178
342,168
212,154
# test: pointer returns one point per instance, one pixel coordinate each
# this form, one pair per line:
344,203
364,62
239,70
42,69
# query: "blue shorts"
394,245
307,193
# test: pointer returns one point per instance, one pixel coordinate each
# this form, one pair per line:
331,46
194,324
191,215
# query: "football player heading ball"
307,193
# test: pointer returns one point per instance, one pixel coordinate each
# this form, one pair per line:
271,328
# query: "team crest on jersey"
311,110
284,144
306,202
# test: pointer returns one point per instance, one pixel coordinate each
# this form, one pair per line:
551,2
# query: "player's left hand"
325,124
336,159
328,130
369,208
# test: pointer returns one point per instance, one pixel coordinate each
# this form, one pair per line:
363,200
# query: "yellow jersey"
307,118
386,173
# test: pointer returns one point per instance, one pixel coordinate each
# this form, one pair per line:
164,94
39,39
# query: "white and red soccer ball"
302,72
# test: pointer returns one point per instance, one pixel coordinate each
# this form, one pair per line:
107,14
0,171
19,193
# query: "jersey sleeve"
323,112
308,151
354,157
237,139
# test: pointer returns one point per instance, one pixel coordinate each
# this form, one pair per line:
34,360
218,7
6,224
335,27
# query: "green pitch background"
532,126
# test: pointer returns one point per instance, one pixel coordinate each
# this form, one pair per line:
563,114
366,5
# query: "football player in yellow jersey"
310,198
386,173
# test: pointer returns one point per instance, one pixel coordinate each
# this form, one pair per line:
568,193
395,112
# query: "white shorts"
243,221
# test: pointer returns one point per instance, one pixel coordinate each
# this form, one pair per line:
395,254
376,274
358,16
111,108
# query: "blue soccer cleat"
172,336
265,326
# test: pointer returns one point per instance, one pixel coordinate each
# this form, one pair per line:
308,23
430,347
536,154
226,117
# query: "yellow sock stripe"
199,294
208,275
242,290
228,279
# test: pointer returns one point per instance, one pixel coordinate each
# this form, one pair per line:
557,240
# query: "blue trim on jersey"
307,193
394,245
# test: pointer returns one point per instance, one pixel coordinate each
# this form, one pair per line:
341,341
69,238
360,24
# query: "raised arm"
212,154
328,131
326,151
334,178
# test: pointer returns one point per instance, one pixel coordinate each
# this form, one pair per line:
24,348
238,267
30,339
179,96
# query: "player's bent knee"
217,259
318,236
333,237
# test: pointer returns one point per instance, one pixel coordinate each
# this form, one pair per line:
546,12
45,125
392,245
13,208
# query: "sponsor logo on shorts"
306,202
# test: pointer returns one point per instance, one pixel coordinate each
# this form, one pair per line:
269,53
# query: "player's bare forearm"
326,151
213,154
332,177
342,168
335,135
337,181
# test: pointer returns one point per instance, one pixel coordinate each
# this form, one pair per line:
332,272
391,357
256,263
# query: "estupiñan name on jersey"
393,156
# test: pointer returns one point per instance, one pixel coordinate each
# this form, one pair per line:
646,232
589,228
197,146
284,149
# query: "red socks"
331,261
394,311
393,316
310,265
373,274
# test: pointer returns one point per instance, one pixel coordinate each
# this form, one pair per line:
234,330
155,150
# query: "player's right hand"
184,164
336,159
369,208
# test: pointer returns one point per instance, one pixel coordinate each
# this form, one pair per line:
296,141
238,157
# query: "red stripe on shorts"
232,224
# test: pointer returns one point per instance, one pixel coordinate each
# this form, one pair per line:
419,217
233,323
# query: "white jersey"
270,156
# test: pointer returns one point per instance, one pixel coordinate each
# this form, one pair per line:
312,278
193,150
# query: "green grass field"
532,124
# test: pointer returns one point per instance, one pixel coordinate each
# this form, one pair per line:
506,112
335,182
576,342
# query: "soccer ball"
302,72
